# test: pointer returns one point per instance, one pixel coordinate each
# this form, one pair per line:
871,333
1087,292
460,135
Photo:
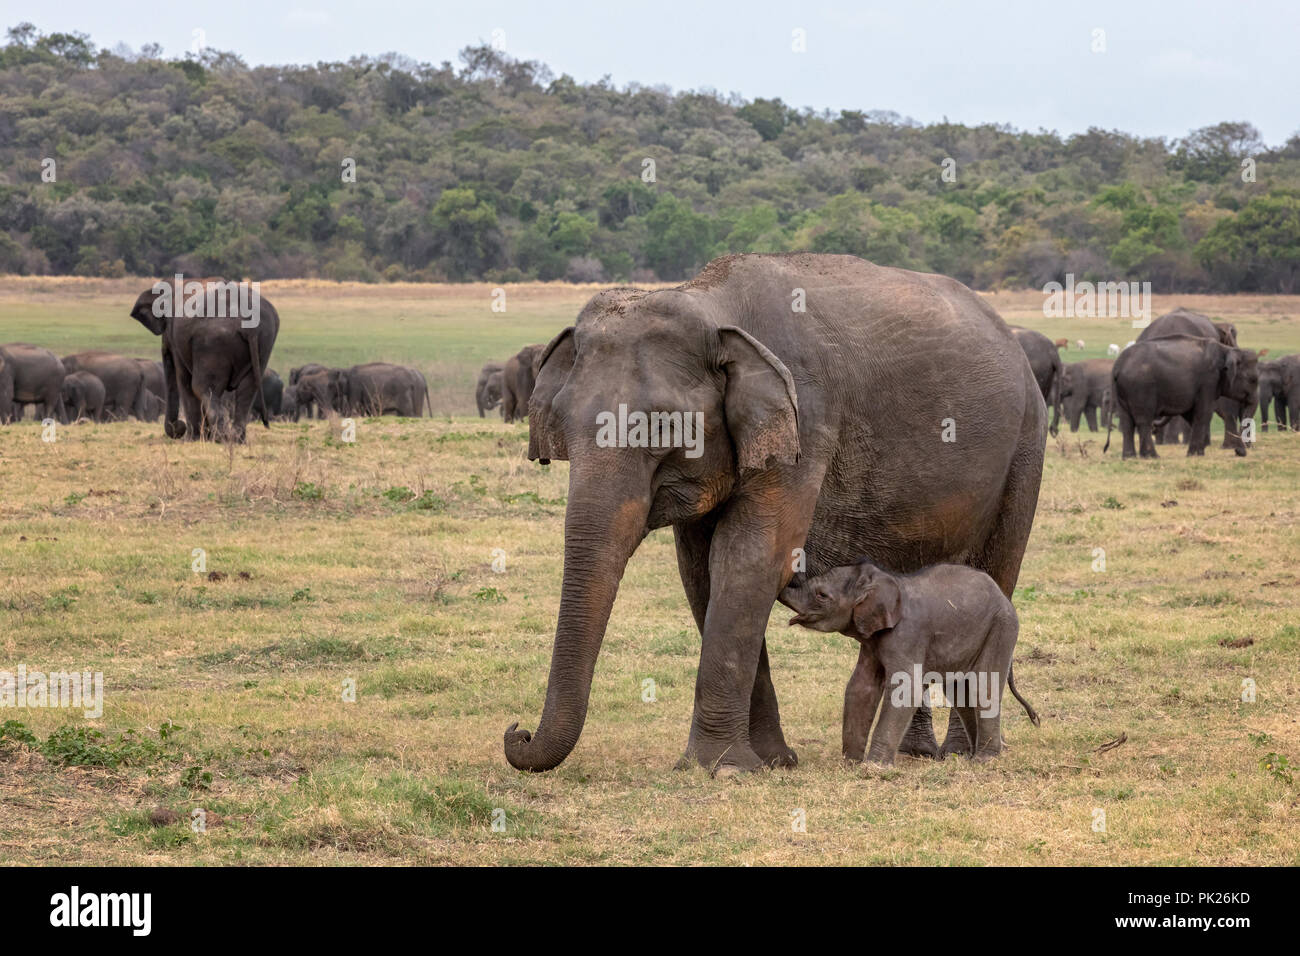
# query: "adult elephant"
123,378
207,354
37,377
518,378
897,418
6,389
381,388
1272,392
420,387
1045,360
83,396
487,391
1290,371
1085,388
1182,321
1177,375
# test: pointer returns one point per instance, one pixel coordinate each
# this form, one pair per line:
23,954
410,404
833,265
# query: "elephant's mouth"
806,620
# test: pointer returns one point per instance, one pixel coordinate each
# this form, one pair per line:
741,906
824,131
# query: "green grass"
334,687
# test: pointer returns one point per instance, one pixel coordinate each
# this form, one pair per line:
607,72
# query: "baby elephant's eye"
822,595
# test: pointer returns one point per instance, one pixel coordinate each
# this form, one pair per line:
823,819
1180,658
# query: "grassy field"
370,565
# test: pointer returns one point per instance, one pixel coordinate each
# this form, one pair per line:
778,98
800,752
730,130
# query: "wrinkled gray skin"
946,619
1272,391
37,379
204,357
518,377
1045,360
822,431
1085,387
1178,375
1183,321
83,397
123,378
307,404
487,391
381,388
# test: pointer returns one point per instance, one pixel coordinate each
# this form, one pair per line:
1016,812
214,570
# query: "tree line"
121,162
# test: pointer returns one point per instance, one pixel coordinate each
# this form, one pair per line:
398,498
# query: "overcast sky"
1168,66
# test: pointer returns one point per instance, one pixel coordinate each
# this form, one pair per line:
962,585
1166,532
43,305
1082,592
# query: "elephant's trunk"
601,530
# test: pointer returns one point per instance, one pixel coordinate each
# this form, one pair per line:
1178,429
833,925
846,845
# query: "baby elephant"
948,623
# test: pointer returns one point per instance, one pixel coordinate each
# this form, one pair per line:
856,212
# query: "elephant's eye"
822,595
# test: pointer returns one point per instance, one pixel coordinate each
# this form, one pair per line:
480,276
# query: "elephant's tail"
1108,403
1011,682
254,354
429,402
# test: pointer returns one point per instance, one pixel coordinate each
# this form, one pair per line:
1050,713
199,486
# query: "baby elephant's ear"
879,607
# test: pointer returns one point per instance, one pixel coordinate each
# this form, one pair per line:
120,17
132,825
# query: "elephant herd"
375,388
508,384
1167,385
213,368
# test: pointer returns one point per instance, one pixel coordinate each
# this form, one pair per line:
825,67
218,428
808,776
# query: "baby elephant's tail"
1011,682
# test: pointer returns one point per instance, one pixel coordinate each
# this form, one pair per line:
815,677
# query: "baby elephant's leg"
895,716
861,698
993,667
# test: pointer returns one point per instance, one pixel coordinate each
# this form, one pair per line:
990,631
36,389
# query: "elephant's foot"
956,742
1239,452
766,740
722,758
919,740
176,429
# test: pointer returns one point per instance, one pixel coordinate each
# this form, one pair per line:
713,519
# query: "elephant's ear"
761,403
879,605
143,311
551,367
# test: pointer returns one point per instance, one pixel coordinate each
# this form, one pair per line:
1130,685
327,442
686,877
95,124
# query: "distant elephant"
206,355
307,405
517,380
1183,321
421,386
1084,389
154,377
322,390
154,407
1046,363
381,388
83,397
289,403
37,379
123,378
6,390
779,438
272,393
1290,371
1273,392
1178,375
949,620
487,391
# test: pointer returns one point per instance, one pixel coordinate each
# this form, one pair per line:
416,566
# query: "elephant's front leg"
861,700
749,563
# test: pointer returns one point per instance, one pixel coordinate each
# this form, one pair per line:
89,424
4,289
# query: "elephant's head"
660,406
858,599
1239,379
1227,333
144,311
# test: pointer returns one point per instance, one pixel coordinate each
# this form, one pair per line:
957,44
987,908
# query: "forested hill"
497,169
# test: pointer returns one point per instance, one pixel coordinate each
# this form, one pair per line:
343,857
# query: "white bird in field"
1112,350
1079,343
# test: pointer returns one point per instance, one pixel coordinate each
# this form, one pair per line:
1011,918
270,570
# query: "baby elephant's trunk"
1011,682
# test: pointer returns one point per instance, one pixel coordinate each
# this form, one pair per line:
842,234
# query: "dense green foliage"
498,170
